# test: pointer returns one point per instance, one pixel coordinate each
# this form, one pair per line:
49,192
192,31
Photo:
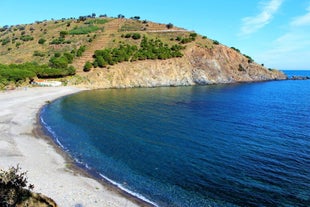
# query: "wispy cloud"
291,49
254,23
302,20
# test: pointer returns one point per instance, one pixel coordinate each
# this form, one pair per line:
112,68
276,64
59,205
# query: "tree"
169,26
82,18
59,62
69,57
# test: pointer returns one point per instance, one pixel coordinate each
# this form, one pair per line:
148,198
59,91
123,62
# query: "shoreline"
49,168
82,170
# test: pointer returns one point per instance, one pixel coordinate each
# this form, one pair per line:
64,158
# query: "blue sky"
273,32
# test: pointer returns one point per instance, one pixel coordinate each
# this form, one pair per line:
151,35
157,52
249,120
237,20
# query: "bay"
218,145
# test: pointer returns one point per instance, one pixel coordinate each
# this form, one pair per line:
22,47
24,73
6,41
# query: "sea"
244,144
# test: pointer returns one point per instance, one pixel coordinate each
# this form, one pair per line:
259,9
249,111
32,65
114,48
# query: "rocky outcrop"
199,65
37,200
299,78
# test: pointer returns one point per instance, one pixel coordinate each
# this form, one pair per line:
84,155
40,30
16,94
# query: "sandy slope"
46,167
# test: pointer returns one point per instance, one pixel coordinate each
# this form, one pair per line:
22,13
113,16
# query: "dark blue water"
223,145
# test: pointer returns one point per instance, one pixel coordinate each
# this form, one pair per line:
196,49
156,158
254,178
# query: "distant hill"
118,52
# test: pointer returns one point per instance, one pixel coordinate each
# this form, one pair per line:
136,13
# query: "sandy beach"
47,167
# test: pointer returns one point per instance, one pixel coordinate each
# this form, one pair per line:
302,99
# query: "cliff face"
219,64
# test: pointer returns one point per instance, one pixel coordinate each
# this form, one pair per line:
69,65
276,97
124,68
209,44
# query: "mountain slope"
203,61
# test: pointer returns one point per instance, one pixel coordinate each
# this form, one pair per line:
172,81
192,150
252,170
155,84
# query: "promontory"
105,52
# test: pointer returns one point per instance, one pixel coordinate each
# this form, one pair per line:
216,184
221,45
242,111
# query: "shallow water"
223,145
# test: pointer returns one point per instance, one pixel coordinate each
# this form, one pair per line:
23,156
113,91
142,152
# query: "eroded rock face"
219,64
37,200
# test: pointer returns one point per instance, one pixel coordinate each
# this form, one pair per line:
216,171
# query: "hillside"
119,52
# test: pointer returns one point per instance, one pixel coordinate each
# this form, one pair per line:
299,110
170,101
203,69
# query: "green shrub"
87,66
193,35
16,74
59,41
237,50
216,42
41,41
136,36
58,62
69,57
250,60
57,54
26,38
6,41
184,40
80,51
63,34
96,21
128,35
83,30
38,54
149,49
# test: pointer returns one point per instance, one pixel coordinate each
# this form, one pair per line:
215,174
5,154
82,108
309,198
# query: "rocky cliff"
199,65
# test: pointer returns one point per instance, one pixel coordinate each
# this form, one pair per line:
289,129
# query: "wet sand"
49,169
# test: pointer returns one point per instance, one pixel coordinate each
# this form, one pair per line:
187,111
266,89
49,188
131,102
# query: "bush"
59,62
16,74
13,186
149,49
6,41
216,42
63,34
69,57
87,66
26,38
136,36
38,54
80,51
193,35
83,30
250,60
128,35
59,41
235,49
18,44
41,41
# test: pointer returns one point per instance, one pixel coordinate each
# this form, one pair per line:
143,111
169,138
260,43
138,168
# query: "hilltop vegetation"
50,49
60,48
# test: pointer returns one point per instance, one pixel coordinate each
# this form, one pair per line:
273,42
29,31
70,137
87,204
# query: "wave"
54,136
120,186
51,133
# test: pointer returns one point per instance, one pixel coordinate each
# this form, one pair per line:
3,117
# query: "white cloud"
302,20
289,51
254,23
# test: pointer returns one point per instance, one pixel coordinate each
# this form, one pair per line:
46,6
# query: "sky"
275,33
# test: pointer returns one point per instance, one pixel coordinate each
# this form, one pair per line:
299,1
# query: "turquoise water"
220,145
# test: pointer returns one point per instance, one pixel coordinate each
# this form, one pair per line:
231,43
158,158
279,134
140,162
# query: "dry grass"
107,36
